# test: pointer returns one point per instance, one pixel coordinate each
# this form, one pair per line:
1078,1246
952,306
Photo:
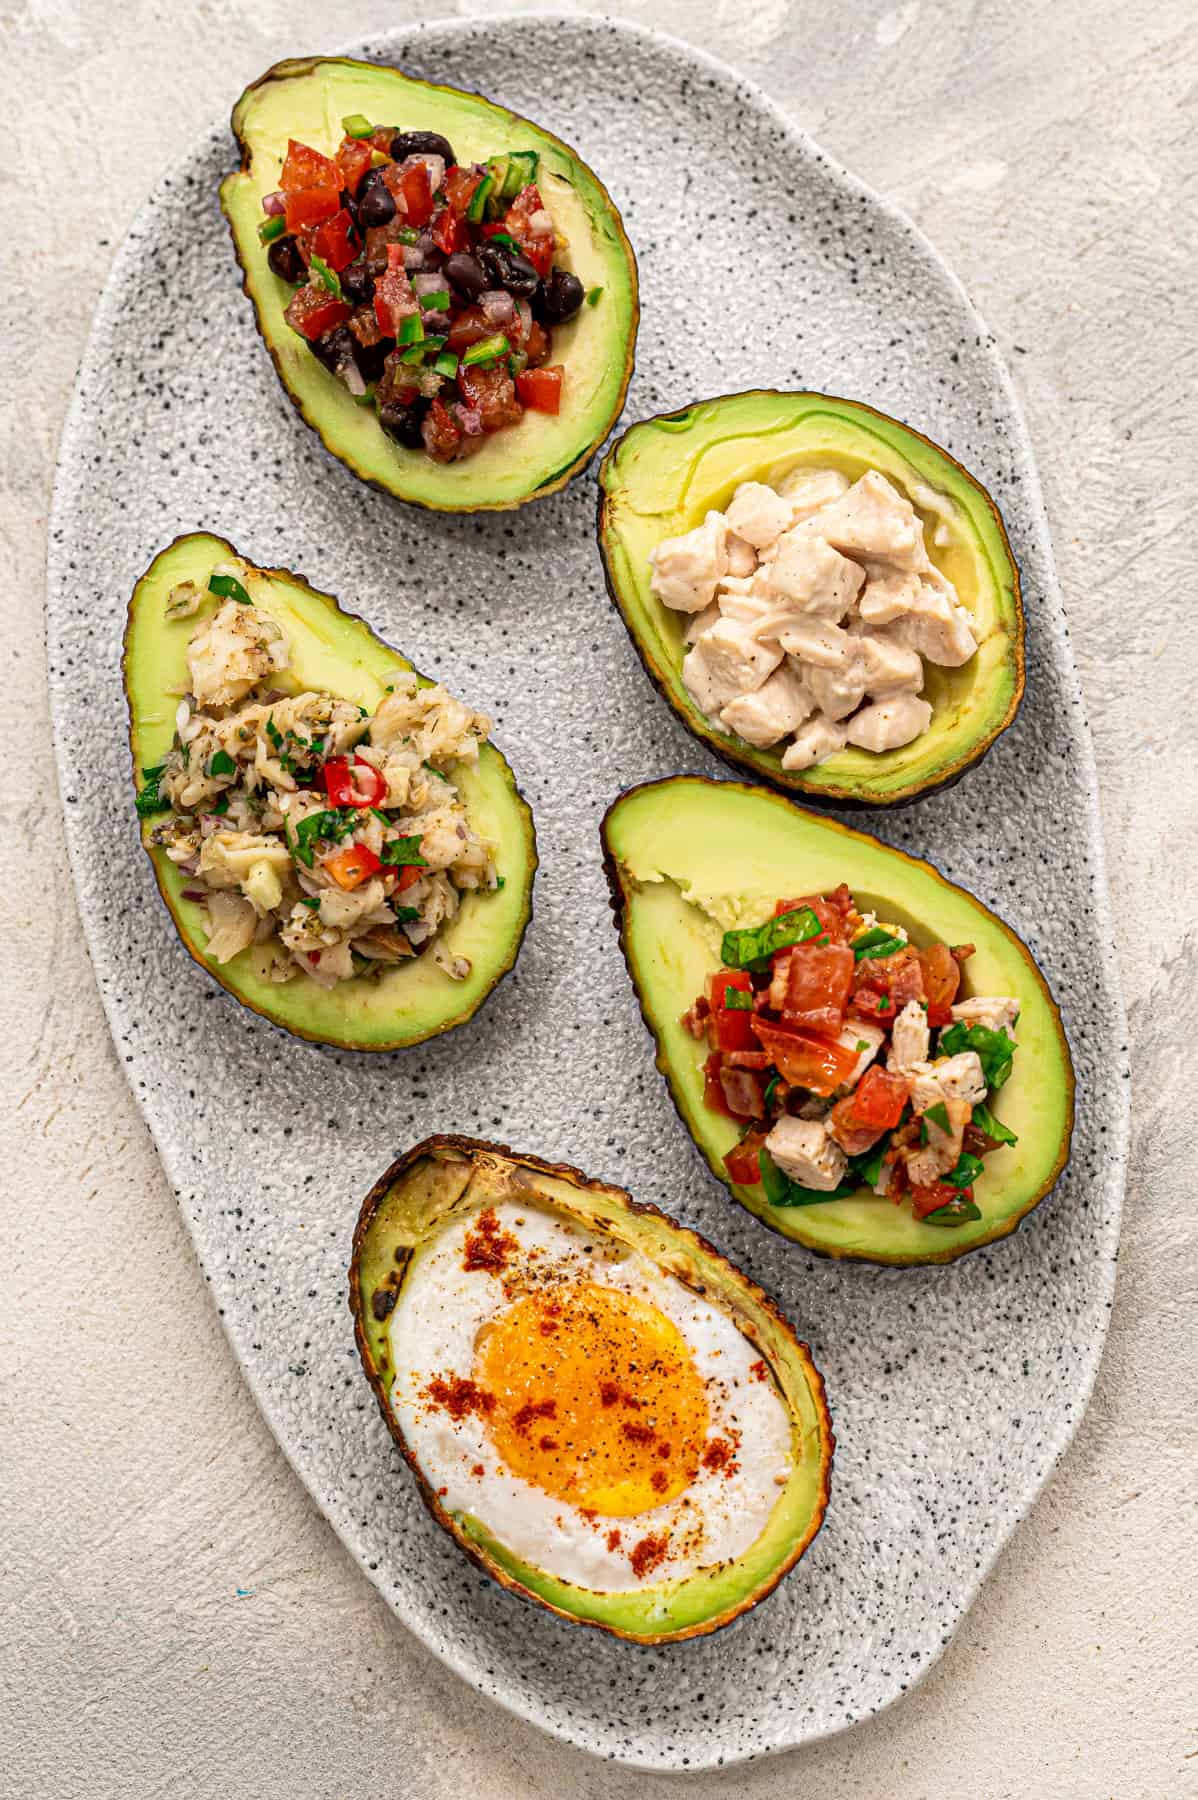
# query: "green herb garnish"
956,1212
403,852
752,948
405,914
995,1050
876,942
939,1116
594,295
222,764
994,1128
331,825
149,800
966,1171
229,588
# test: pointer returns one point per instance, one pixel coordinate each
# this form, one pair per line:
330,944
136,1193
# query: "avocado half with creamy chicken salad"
335,838
604,1414
825,597
864,1053
446,290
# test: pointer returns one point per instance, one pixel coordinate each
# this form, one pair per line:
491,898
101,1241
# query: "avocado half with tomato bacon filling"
663,477
603,1412
342,110
694,865
296,732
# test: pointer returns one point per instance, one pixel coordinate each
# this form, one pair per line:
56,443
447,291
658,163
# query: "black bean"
508,269
376,205
357,284
370,359
560,297
403,423
467,274
334,348
422,143
286,261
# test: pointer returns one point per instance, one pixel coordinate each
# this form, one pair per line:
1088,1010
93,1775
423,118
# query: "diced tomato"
412,186
459,188
352,781
536,344
899,977
313,310
353,865
394,300
447,232
713,1092
304,167
365,327
310,206
743,1161
490,389
941,979
538,247
442,433
730,1028
925,1200
819,977
381,139
541,389
874,1106
332,241
816,1063
354,157
470,327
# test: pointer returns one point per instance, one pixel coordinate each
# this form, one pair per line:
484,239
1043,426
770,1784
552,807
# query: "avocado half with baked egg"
331,651
604,1414
665,474
689,859
308,99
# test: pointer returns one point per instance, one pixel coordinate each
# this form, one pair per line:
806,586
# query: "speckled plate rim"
69,470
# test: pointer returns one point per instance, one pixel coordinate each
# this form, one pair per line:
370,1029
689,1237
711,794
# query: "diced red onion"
499,307
194,894
428,283
351,375
525,312
210,822
470,420
190,867
274,204
413,257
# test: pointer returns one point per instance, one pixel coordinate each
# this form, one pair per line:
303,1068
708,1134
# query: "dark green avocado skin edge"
1004,1228
759,764
398,1043
304,65
470,1148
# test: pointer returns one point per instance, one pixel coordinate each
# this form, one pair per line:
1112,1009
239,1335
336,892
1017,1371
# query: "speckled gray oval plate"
954,1390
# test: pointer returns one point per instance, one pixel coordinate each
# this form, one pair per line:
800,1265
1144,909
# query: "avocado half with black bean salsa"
446,289
607,1417
336,840
864,1053
882,625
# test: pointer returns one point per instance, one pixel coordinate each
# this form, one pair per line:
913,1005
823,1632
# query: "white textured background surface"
1044,149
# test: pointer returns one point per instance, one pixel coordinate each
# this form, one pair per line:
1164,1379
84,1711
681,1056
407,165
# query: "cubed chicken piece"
888,667
889,594
938,626
942,1151
986,1009
726,662
808,574
758,514
813,741
698,623
957,1077
889,724
837,692
745,599
874,520
910,1038
686,568
808,489
803,1150
742,558
866,1040
814,642
777,708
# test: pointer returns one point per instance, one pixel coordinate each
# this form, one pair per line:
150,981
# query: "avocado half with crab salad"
336,840
446,289
864,1053
603,1412
824,596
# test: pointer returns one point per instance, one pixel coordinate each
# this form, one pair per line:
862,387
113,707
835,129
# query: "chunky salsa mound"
429,287
820,1028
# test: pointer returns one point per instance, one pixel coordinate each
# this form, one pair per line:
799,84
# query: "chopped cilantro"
149,800
229,588
403,852
966,1172
222,764
994,1128
331,825
405,914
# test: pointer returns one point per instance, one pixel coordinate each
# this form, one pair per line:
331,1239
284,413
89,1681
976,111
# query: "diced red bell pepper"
409,875
459,188
353,865
941,979
874,1106
313,310
819,978
412,187
816,1063
925,1200
743,1161
354,157
332,241
304,167
311,206
541,389
539,248
394,299
352,781
731,1028
447,231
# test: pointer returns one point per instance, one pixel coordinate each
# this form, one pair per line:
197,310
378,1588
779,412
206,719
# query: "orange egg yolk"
597,1398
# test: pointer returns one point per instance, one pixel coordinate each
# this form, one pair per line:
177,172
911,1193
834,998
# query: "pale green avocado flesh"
306,100
422,1194
690,858
663,476
331,651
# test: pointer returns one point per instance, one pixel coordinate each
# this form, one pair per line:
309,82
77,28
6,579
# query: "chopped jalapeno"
487,350
325,276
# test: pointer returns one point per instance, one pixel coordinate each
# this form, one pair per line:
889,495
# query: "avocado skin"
312,392
930,1244
846,794
369,1330
495,774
